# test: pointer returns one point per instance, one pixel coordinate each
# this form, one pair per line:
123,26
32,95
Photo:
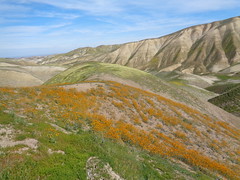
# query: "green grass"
177,82
229,45
222,88
83,71
6,118
128,161
223,77
153,62
229,101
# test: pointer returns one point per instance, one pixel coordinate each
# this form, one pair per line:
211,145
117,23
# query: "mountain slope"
198,49
81,54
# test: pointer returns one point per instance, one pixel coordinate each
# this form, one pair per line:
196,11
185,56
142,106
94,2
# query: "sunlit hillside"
141,121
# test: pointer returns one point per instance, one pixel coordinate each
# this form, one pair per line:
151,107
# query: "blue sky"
42,27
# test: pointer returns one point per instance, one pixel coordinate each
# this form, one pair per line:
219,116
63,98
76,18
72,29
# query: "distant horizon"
46,27
94,46
19,57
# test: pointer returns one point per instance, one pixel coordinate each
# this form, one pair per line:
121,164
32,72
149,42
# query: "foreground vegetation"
135,131
128,161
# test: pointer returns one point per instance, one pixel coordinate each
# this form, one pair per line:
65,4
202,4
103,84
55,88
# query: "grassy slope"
83,71
149,123
229,93
222,88
78,148
176,80
229,100
128,161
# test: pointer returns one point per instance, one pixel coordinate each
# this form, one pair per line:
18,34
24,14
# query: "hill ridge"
198,49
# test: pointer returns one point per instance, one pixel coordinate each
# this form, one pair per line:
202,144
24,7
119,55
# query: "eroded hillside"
199,49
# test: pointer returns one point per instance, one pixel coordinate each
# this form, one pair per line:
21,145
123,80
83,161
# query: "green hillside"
84,71
230,100
222,88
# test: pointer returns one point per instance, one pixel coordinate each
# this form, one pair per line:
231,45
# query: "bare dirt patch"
98,170
50,151
84,86
107,77
7,134
60,129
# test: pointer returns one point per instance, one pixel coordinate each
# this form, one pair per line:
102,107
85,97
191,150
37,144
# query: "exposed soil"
84,86
7,134
98,170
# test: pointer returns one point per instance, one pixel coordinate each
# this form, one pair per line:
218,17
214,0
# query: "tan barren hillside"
198,49
17,73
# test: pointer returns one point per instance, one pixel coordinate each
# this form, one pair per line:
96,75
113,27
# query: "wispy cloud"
59,25
5,7
138,24
29,30
97,7
56,15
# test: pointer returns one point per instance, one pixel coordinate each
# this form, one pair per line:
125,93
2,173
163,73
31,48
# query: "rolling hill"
18,73
189,95
129,76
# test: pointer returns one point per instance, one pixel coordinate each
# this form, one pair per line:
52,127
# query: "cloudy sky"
42,27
